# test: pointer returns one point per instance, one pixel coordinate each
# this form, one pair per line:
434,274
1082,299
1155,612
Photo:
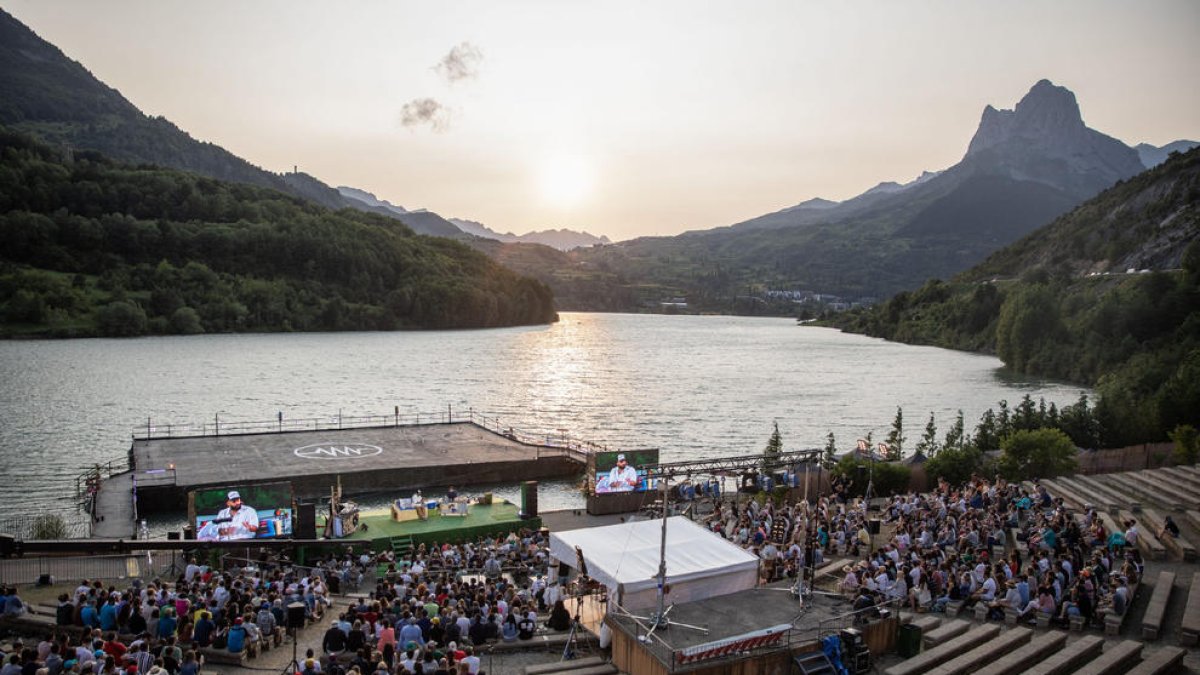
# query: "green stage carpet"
497,518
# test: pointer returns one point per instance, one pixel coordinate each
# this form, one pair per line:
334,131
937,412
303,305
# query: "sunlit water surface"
693,386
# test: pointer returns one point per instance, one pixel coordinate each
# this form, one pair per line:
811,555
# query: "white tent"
625,558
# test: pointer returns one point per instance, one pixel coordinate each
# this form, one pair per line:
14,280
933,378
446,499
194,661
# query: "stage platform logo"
337,451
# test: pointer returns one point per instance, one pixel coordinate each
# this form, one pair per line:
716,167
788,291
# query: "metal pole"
660,617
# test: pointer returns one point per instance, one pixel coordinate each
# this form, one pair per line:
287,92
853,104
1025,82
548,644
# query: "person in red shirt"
114,648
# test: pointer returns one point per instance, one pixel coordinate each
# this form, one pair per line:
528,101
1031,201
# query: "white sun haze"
565,181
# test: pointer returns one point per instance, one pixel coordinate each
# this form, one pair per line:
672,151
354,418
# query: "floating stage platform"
366,454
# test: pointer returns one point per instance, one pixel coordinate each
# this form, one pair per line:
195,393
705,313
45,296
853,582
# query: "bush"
121,319
1043,453
1187,444
49,526
955,465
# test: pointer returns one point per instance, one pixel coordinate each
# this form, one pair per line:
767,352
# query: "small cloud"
461,63
422,111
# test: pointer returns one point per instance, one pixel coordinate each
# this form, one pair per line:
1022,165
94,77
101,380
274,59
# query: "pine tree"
954,437
774,446
928,444
895,438
830,451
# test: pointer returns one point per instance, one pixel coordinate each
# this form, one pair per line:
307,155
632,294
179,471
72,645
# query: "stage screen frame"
274,503
603,462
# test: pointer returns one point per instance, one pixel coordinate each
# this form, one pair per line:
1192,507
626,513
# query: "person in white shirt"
622,477
241,521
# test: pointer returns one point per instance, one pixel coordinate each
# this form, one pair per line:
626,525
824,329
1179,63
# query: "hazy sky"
624,118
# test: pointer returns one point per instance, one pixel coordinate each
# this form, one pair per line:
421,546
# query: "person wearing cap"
236,520
622,477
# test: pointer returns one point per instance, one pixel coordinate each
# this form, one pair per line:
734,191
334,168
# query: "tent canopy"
625,558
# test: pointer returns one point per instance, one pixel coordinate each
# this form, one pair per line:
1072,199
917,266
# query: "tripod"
293,666
571,649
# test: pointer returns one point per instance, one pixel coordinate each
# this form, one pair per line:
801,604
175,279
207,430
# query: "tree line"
93,247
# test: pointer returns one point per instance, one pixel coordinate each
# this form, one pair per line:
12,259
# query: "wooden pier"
396,457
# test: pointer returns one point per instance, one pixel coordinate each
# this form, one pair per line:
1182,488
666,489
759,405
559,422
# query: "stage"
765,624
498,518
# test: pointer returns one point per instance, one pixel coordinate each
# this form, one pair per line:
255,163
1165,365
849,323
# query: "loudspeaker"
873,526
851,639
295,615
306,520
173,535
189,532
529,505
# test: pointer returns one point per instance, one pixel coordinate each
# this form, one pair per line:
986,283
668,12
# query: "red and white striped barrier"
739,643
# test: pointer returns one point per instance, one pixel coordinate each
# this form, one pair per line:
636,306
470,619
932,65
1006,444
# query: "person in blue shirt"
89,616
108,616
167,623
202,633
237,636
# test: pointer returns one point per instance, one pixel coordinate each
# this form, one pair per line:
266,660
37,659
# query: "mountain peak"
1043,134
1047,113
1049,108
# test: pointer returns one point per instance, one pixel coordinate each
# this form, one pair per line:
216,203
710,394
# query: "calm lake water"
693,386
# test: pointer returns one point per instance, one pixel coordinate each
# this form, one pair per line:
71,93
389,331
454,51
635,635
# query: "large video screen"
623,471
243,512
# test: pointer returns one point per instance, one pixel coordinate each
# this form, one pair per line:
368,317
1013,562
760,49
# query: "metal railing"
76,524
558,439
31,569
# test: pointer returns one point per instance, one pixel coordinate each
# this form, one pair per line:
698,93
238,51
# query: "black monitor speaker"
529,499
306,520
295,615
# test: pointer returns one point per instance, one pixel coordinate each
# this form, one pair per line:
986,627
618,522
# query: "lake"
693,386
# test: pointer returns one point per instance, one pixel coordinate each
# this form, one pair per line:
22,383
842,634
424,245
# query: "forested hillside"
93,247
1063,303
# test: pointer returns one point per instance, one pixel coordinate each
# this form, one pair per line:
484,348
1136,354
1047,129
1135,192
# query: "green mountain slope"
95,247
1060,303
46,94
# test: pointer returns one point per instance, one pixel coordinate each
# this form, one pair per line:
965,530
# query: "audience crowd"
432,611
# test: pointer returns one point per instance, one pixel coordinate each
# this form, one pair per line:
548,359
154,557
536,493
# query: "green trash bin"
908,642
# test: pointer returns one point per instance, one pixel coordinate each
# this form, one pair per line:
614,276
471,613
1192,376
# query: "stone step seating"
1152,548
1162,492
1165,660
1152,620
1097,498
1189,628
1171,488
945,632
1180,476
592,665
926,622
985,653
1114,622
1115,660
1072,498
1016,662
946,651
1114,496
1178,546
1193,517
1122,482
1069,658
1189,469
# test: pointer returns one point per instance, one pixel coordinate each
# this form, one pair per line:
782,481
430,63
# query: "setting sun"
565,181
